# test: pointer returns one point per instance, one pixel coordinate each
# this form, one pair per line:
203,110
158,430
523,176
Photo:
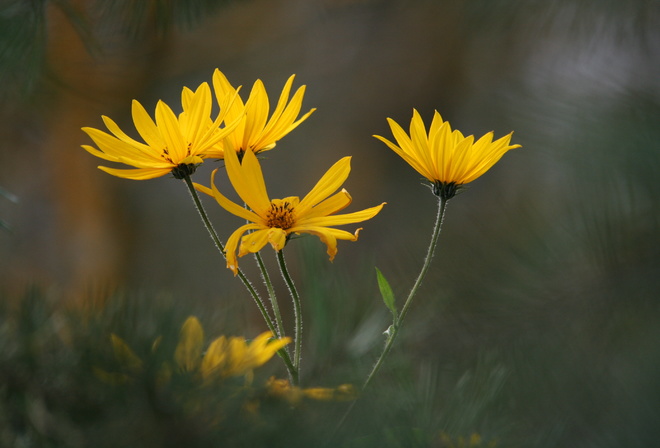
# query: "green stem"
296,310
253,292
442,205
271,294
396,326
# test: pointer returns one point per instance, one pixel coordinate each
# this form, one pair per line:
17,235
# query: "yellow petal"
215,357
225,203
189,350
338,220
277,238
256,111
115,129
329,206
168,125
248,181
197,116
137,174
124,355
345,392
212,138
326,235
444,155
117,148
329,183
237,352
232,245
100,154
253,242
279,109
146,126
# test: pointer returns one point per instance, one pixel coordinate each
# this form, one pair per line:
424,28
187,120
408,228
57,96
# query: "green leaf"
386,292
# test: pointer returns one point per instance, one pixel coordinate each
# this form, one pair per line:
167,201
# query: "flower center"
166,154
280,215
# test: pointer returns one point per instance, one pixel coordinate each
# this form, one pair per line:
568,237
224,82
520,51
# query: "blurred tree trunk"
90,70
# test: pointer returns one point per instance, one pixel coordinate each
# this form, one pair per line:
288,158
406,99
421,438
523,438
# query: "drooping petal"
253,242
232,245
327,236
277,238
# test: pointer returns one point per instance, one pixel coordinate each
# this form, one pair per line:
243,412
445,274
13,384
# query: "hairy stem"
248,285
442,205
271,294
396,326
296,310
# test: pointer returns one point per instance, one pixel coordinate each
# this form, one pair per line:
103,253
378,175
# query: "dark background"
540,316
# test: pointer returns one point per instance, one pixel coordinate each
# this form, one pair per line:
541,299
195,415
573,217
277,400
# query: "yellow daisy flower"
256,132
273,221
446,158
225,357
282,389
173,144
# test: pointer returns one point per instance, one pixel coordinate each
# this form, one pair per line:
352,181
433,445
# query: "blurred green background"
539,323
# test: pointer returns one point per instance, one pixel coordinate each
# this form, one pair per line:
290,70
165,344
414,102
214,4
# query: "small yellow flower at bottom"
474,441
273,221
235,356
224,357
283,390
446,158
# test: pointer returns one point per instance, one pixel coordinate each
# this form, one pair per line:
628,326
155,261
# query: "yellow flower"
474,441
236,357
256,132
282,389
173,144
446,158
225,357
273,221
